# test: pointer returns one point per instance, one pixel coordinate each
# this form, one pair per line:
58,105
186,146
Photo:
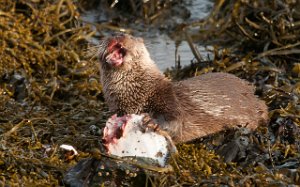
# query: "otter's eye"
118,46
122,51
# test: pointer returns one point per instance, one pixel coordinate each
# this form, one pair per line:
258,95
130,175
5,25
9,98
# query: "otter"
187,109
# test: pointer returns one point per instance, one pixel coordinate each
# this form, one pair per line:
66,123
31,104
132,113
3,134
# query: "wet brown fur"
187,109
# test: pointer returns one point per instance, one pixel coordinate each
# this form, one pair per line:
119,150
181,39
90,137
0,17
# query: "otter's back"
215,100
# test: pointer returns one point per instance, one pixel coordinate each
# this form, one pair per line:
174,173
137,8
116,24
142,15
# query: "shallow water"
161,47
162,50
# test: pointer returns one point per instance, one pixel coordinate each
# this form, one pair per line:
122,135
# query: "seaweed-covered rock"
111,171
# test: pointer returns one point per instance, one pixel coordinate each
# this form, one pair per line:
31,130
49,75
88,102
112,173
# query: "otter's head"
122,51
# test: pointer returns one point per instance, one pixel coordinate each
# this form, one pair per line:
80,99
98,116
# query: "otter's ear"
140,39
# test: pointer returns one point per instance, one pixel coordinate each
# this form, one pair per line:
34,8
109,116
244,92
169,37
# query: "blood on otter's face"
117,51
